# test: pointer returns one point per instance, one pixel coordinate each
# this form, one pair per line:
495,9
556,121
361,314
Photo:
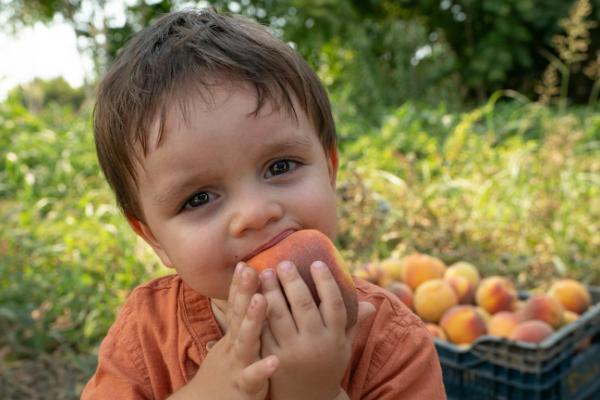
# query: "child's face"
224,182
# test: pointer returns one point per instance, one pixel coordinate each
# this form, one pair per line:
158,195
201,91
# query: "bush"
67,259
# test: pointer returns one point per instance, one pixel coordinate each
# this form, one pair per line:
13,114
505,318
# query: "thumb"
256,376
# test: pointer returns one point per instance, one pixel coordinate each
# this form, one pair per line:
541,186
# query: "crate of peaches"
494,341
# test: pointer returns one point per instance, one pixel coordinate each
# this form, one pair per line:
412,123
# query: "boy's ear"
144,231
333,165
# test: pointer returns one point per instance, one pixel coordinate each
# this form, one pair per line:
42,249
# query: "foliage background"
465,132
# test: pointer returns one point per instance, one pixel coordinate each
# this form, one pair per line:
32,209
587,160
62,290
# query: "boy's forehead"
234,98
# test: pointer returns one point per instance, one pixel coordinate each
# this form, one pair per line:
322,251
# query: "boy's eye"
280,167
198,199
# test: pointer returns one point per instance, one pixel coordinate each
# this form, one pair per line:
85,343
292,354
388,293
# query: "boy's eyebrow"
286,145
174,190
191,183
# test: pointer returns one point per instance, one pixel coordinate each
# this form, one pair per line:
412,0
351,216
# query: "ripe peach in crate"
569,317
465,291
496,293
571,294
391,269
303,248
403,292
370,272
465,270
419,268
433,298
463,324
544,308
503,323
533,331
436,331
484,314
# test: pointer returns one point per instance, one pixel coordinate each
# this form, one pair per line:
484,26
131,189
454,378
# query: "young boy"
218,140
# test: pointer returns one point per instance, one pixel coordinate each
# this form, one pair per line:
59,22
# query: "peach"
503,323
391,270
370,272
496,293
484,314
463,324
465,291
533,331
403,292
303,248
571,294
436,331
569,317
433,298
419,268
464,269
544,308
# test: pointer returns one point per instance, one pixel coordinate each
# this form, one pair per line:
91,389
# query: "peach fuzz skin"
304,247
433,298
463,324
571,294
419,268
496,293
403,292
532,331
503,323
544,308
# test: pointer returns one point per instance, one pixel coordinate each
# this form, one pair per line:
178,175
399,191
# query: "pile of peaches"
458,305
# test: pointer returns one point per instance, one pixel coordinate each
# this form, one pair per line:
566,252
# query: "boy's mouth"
278,238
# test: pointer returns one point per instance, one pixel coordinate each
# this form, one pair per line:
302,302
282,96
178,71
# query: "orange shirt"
161,335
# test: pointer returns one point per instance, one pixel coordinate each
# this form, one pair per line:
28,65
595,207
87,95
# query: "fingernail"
267,274
238,268
319,265
285,266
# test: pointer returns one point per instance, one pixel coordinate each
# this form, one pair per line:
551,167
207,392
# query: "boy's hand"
310,342
233,368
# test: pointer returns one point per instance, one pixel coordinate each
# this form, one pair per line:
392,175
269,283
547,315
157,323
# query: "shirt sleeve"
121,373
394,357
411,371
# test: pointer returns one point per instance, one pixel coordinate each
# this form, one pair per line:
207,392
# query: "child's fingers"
233,289
304,309
280,319
247,344
247,285
256,376
333,309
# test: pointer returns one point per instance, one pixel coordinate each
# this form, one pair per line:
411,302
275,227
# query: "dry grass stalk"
550,85
572,47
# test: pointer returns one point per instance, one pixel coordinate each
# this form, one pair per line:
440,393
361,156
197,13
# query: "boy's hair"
182,54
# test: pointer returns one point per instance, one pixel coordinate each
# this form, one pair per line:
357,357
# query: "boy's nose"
254,215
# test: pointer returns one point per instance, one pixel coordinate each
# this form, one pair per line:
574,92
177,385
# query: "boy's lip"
278,238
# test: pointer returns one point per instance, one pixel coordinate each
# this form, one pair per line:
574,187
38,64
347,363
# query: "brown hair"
189,50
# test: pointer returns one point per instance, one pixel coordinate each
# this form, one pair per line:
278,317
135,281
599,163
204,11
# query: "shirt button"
210,344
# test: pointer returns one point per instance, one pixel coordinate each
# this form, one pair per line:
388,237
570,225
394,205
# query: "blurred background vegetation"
469,130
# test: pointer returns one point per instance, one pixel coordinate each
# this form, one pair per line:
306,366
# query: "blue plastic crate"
555,369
